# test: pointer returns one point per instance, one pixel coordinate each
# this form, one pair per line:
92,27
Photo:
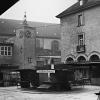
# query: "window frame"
81,41
55,45
81,19
6,51
40,41
29,60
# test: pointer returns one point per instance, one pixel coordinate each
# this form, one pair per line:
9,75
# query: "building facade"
26,47
45,40
7,66
47,49
80,34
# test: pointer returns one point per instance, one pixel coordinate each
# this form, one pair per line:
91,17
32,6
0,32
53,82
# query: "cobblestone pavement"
77,93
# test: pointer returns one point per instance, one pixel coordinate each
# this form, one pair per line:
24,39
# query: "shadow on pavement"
45,91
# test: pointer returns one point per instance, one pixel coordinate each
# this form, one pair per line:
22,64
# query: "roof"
6,44
50,31
8,3
77,8
8,26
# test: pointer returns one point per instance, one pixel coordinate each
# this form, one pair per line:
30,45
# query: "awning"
69,66
26,70
9,66
86,63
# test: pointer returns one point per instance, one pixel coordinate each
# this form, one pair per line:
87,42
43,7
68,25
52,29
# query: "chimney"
82,2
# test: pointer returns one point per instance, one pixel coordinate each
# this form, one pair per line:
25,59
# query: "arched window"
69,60
94,58
55,45
81,59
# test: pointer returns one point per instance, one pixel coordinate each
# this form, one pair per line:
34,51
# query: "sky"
38,10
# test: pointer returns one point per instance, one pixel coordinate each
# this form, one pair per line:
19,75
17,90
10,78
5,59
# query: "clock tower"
25,43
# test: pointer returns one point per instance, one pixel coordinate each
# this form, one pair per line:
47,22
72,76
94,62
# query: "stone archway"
94,58
81,59
94,55
69,60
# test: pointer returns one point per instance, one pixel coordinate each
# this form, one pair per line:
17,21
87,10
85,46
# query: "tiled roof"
77,8
8,26
50,31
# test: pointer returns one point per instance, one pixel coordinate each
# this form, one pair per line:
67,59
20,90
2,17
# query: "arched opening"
69,60
81,59
94,58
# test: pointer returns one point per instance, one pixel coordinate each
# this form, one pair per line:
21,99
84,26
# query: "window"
55,45
80,39
9,51
81,43
6,51
40,63
29,60
39,43
80,20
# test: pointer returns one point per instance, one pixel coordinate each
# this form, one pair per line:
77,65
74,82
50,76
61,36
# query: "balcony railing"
80,49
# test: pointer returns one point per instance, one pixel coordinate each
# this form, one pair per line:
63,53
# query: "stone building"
48,45
80,36
25,45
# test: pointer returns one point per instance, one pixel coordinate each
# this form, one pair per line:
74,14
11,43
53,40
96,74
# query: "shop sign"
45,71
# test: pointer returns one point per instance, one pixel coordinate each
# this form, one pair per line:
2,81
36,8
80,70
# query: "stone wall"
24,48
90,28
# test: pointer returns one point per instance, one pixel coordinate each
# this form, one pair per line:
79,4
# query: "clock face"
28,34
21,34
